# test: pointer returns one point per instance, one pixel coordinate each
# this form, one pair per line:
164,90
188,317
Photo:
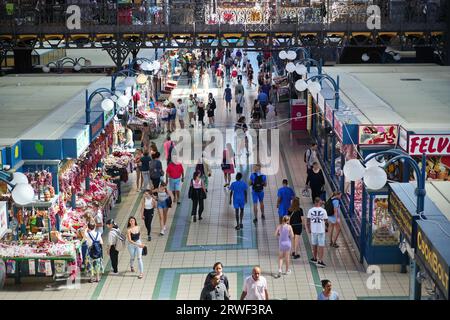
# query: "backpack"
120,242
95,250
258,184
309,157
329,208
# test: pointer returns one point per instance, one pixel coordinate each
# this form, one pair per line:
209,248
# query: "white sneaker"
288,272
164,229
162,232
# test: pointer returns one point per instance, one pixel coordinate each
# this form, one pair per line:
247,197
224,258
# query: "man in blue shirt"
285,196
258,181
239,195
263,100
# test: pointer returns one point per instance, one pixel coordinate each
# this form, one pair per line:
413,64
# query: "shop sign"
338,128
321,101
401,216
378,134
329,114
430,144
433,261
3,218
107,116
96,127
403,138
82,141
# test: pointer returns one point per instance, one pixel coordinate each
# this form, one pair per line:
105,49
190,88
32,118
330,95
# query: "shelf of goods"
151,117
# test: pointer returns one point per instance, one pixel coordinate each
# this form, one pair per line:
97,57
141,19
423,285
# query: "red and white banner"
430,144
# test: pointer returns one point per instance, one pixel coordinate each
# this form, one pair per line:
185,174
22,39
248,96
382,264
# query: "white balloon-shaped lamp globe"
290,67
123,101
300,69
282,55
365,57
301,85
107,105
314,87
354,170
291,55
19,177
156,65
375,178
77,67
45,69
374,162
23,194
145,66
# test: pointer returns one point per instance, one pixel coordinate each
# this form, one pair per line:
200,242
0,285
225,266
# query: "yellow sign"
401,216
433,261
16,152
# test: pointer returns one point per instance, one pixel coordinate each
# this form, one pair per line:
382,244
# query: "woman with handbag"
197,193
205,171
228,164
135,246
316,181
164,203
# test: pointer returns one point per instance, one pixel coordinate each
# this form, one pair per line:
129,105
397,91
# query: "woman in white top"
163,196
181,111
197,193
135,245
95,252
149,205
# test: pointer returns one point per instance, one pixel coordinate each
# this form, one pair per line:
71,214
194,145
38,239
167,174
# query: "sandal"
140,276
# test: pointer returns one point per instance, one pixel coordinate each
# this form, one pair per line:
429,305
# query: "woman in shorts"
296,221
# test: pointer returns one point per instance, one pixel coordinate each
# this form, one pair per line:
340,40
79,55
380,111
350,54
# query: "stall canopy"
433,252
402,207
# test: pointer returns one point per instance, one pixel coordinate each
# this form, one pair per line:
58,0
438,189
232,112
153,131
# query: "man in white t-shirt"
317,216
181,111
311,156
255,286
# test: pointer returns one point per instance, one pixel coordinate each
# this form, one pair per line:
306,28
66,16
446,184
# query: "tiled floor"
177,263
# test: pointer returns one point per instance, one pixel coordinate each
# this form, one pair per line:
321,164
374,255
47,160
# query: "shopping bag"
305,193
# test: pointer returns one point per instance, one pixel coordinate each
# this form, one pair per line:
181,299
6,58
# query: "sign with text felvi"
430,144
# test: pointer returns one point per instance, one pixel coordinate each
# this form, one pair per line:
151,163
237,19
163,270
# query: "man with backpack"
258,181
116,241
332,208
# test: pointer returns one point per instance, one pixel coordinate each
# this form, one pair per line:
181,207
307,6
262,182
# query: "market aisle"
177,263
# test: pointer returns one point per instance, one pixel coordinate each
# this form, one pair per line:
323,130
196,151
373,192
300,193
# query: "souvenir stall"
34,247
422,234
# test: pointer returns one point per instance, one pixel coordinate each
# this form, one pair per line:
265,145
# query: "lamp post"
375,178
315,87
128,73
59,64
22,192
107,105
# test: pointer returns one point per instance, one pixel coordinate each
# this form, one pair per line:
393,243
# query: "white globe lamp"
19,177
23,194
77,67
374,162
314,87
290,67
354,170
301,85
129,81
291,55
45,69
375,178
282,55
300,69
107,105
365,57
123,101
